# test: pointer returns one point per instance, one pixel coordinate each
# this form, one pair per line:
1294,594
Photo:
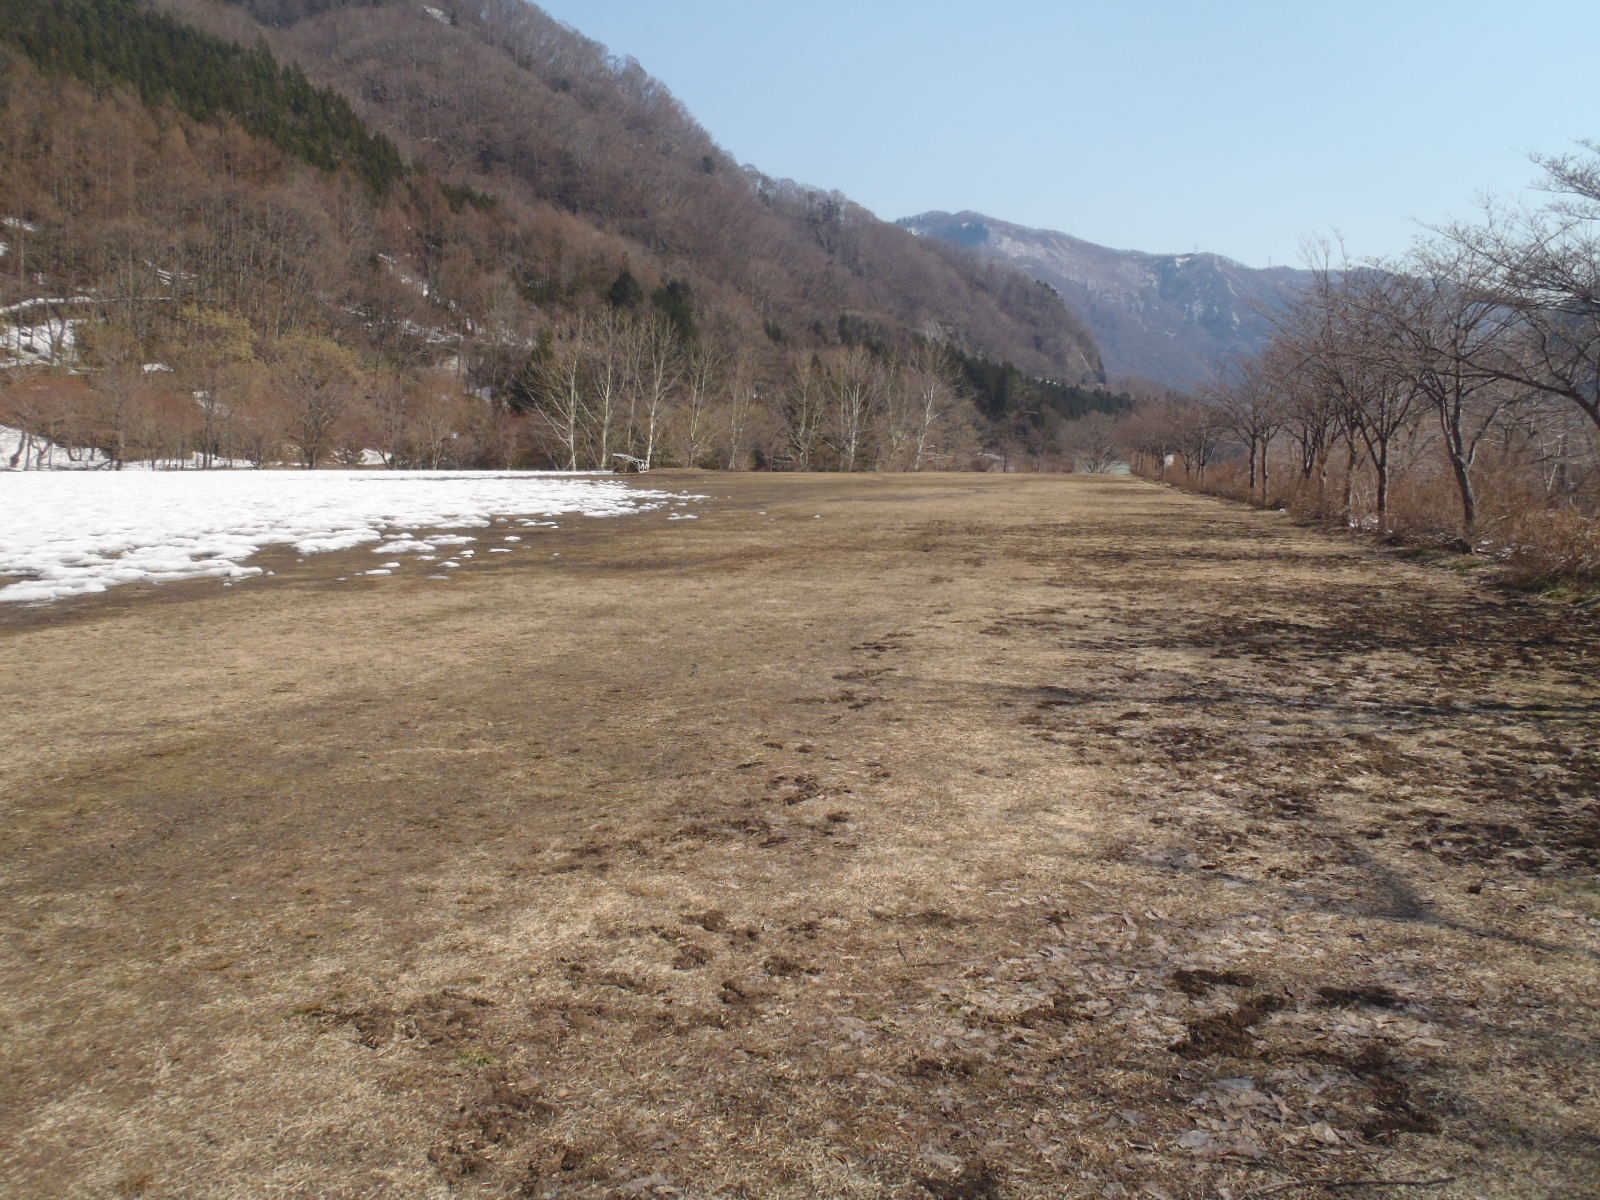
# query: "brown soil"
866,837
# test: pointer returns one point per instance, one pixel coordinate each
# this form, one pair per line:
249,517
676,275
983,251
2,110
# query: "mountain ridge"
1163,317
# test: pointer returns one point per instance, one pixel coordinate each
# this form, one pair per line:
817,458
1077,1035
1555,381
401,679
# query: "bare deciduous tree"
318,380
1545,267
557,377
855,389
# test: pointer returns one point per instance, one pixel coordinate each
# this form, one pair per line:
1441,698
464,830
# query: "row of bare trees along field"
610,390
1450,396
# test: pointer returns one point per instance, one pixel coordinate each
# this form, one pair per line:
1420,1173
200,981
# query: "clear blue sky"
1151,124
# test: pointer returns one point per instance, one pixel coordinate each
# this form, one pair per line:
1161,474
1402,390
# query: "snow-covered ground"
45,344
42,333
18,451
66,533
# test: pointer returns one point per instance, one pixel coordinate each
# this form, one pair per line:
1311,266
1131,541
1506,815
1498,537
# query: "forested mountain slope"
448,188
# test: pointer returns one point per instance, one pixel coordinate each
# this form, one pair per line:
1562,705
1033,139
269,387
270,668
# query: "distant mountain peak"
1167,317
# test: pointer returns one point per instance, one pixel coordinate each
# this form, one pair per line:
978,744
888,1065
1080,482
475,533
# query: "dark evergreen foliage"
460,196
855,330
283,13
1001,390
673,302
107,42
625,292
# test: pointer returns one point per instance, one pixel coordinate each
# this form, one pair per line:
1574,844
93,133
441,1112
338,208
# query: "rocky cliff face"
1166,317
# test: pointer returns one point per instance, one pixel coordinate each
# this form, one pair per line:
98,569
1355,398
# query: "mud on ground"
953,837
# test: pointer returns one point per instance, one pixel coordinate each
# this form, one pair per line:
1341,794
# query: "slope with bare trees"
537,198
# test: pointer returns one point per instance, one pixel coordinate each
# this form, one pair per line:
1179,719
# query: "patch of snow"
43,302
411,281
74,533
20,452
436,14
169,277
50,342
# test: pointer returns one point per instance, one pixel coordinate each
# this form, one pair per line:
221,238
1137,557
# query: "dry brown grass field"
960,837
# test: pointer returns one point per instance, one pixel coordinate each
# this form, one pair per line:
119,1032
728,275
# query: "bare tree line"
1451,393
607,390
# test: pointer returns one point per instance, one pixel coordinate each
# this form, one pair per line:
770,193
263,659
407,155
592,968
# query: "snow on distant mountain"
1166,317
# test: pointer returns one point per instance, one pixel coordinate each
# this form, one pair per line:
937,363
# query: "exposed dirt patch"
977,1181
1390,1100
1200,981
985,838
1227,1032
1378,997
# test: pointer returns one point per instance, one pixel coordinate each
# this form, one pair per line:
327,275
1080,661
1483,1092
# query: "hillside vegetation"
460,237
